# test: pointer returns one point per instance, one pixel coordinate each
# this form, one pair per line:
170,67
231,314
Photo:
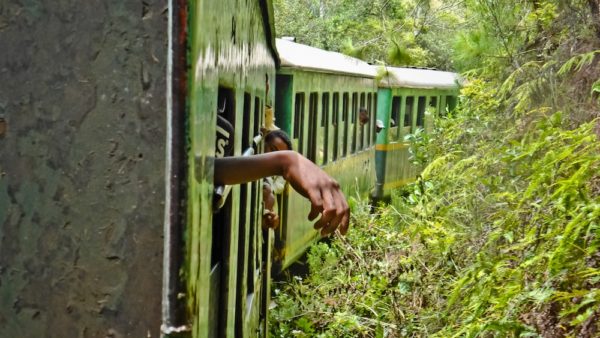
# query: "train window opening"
325,126
361,126
251,267
450,103
221,223
368,127
345,99
313,106
421,111
247,112
354,124
374,120
258,113
433,104
299,121
395,117
334,122
410,100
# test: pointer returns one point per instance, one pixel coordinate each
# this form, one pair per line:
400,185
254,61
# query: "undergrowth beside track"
499,237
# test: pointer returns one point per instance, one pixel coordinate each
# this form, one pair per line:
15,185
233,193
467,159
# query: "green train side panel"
394,166
355,172
229,53
82,168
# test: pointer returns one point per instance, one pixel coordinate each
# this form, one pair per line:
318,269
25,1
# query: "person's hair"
282,135
362,109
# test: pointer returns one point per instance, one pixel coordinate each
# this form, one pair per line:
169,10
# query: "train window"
374,120
334,122
246,121
433,104
421,111
368,127
313,106
258,113
325,125
361,127
345,102
354,124
299,121
396,105
408,110
450,103
395,117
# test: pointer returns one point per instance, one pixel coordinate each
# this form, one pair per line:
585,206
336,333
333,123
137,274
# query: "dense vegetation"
499,236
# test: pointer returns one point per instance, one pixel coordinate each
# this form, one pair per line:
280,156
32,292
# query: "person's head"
378,126
277,140
363,116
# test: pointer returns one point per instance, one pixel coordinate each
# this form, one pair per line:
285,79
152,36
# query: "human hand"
268,197
324,194
270,220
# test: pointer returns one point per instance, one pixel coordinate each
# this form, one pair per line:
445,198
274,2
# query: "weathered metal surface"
81,167
231,56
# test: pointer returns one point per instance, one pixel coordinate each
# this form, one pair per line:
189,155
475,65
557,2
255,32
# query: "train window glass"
325,125
410,100
335,112
421,111
354,124
299,121
345,101
368,128
313,106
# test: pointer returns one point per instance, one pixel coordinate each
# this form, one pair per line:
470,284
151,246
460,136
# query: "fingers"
334,210
316,202
329,209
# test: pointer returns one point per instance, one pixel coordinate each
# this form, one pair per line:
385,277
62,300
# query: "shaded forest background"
500,234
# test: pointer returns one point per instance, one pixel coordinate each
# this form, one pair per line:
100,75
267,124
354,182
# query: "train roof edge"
418,78
296,55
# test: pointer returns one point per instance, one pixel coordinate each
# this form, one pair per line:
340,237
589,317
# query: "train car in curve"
408,100
318,97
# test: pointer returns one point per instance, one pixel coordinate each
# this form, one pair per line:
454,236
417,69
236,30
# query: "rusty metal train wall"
82,114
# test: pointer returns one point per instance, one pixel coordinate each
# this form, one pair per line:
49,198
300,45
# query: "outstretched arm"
306,178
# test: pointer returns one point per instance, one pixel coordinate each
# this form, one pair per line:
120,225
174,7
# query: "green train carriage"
408,99
318,96
232,60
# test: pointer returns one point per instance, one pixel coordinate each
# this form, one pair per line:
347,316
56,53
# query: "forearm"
236,170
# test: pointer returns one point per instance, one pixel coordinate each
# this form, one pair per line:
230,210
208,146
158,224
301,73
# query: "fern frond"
577,62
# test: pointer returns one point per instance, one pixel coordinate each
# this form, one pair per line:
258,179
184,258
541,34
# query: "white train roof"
295,55
418,78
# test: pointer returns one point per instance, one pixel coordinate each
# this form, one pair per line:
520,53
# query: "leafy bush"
498,237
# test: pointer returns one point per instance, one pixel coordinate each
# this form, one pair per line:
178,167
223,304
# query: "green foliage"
397,32
500,234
